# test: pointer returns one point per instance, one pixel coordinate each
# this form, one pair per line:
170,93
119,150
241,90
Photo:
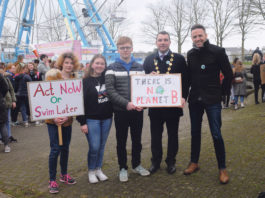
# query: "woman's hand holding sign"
60,121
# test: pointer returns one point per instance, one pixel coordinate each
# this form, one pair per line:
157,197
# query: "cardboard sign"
161,90
52,99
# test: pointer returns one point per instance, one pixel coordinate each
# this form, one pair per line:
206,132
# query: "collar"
205,45
159,53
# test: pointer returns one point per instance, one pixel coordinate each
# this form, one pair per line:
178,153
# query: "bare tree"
199,11
156,22
258,8
181,21
245,22
223,13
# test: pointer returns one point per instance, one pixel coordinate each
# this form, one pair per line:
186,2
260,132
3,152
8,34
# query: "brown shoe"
223,176
193,167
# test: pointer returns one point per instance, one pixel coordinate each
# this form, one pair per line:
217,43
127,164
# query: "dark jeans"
124,120
57,150
156,139
257,85
3,133
22,106
214,118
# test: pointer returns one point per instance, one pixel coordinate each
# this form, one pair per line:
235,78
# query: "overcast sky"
137,11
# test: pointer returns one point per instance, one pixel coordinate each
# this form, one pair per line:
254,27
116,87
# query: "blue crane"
90,13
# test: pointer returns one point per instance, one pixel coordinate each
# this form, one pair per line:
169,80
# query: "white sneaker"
26,124
141,171
7,149
92,177
123,175
242,105
1,142
37,123
101,175
236,106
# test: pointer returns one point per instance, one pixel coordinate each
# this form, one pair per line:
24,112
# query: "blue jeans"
241,99
214,118
22,103
8,122
98,132
57,150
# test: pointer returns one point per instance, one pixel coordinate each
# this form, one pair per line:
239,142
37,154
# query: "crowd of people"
207,79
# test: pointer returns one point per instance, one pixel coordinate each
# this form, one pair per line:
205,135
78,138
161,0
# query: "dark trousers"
57,150
257,84
123,120
156,139
214,118
263,92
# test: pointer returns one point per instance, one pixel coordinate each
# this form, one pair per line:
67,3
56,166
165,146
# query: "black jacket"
255,70
21,84
96,102
3,92
204,67
178,66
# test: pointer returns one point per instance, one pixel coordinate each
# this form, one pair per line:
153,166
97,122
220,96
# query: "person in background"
43,66
126,114
96,122
258,51
33,72
240,80
262,77
11,69
255,70
21,79
67,64
3,113
10,101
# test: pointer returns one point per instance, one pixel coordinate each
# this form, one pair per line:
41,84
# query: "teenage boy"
125,113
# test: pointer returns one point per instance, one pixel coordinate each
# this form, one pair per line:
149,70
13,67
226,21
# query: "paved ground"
24,171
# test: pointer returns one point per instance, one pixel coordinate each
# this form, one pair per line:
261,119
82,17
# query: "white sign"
52,99
161,90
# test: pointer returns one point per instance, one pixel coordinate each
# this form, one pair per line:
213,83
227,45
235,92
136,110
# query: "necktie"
162,56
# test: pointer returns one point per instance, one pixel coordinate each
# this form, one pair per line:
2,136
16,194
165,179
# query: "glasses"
125,48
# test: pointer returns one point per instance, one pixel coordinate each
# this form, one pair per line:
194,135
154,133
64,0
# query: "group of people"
239,82
107,91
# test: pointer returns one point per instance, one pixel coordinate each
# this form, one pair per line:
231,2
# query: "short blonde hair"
123,40
65,55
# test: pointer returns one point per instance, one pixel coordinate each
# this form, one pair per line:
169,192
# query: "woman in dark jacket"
255,70
21,79
96,122
33,72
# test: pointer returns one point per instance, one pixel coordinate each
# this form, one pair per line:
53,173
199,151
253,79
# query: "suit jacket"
178,66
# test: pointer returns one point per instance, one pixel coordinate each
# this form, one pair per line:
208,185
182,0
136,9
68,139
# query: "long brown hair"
90,70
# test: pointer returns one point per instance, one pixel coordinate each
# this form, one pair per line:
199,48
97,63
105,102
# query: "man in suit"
164,61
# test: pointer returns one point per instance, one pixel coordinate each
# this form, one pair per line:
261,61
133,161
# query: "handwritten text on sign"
53,99
156,90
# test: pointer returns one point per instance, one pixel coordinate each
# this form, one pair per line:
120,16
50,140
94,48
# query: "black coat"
255,70
204,67
178,66
3,92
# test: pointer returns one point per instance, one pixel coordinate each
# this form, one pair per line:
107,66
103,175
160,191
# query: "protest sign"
161,90
52,99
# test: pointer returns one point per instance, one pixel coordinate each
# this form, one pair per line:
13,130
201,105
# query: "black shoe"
171,169
257,102
12,139
153,168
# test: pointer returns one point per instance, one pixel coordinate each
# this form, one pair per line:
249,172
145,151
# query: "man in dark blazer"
205,62
165,62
